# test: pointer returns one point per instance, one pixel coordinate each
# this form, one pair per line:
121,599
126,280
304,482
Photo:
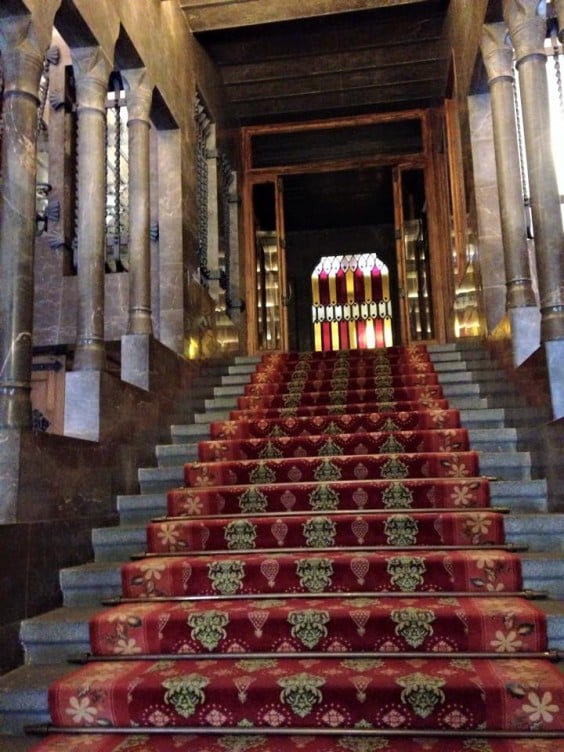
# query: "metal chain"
117,170
202,126
557,71
227,177
43,90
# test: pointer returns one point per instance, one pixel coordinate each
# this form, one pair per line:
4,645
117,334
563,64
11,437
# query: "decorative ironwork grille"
203,124
117,178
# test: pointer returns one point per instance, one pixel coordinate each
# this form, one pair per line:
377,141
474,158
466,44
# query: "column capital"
22,55
496,51
527,26
559,7
91,72
138,93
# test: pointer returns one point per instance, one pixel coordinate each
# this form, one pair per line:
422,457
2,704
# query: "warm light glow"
370,335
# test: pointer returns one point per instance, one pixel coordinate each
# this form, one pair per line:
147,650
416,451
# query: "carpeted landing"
331,578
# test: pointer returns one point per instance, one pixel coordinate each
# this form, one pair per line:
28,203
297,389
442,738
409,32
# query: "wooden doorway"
401,143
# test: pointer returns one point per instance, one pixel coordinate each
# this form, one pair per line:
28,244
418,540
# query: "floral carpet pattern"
332,578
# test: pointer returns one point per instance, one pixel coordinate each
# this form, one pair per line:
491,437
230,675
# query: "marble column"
22,59
91,71
527,28
520,301
559,6
139,91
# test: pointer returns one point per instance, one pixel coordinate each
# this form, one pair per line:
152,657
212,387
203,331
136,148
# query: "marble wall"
67,486
176,76
490,246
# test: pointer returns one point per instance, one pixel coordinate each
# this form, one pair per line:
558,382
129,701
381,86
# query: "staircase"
470,383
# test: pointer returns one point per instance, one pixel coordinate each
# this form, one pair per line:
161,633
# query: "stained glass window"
351,303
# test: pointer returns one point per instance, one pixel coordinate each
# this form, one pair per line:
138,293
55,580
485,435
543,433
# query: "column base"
82,404
140,322
554,359
90,357
10,448
15,407
135,360
525,332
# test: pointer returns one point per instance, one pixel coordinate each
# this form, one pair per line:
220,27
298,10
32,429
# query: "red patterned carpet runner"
332,577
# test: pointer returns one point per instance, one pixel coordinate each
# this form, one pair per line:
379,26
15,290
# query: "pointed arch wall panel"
351,303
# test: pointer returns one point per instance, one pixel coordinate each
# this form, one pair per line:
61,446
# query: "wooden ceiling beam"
212,15
432,75
418,95
349,61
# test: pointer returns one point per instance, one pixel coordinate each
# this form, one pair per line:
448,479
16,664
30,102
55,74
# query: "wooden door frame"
432,158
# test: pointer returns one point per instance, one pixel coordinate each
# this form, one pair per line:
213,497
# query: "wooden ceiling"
301,59
296,60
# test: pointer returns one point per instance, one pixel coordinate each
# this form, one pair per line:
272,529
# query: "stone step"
493,439
90,584
539,532
519,496
160,479
58,634
465,344
118,543
470,389
220,403
185,434
228,390
53,637
470,417
140,508
214,414
465,375
173,454
504,465
482,439
459,366
544,571
469,403
23,692
235,380
486,417
525,497
23,696
529,496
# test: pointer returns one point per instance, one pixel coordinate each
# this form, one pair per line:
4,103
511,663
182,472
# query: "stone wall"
156,34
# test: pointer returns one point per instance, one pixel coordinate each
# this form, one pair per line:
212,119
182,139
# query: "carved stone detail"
22,56
526,27
138,93
496,51
91,71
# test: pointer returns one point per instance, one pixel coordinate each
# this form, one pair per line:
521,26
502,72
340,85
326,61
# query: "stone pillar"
139,91
521,304
559,6
528,30
91,71
22,59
